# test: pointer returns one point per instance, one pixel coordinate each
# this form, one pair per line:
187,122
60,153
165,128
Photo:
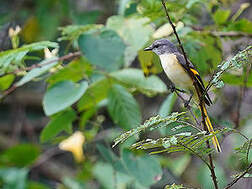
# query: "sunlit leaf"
134,31
221,16
12,59
37,71
6,81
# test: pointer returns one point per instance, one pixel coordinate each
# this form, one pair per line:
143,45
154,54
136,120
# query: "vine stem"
201,102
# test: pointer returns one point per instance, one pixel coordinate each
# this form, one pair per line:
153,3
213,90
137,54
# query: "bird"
183,76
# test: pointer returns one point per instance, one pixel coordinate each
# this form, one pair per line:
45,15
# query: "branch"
241,95
238,178
65,57
198,93
14,86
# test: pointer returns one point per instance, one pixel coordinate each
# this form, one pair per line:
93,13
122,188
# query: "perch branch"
199,95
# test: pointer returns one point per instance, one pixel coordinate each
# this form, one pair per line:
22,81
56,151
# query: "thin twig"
238,178
221,33
241,95
14,86
65,57
211,167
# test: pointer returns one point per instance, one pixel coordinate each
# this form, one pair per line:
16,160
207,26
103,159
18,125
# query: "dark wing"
198,79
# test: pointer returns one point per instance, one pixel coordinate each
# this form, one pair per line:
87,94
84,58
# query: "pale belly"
175,71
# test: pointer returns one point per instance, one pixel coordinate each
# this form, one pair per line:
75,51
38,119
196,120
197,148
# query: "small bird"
176,69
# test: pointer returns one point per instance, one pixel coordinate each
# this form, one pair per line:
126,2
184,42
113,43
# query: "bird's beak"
148,48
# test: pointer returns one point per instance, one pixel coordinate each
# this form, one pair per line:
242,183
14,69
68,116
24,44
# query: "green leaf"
150,124
242,25
204,51
74,71
111,158
37,71
130,78
58,123
205,180
108,177
237,80
96,92
62,95
149,62
134,78
87,17
13,178
72,183
134,31
123,4
72,32
145,169
20,155
12,59
36,185
104,49
221,16
178,165
123,108
167,105
6,81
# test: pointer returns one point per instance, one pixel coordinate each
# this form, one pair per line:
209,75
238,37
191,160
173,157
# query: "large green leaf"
134,78
12,59
104,49
130,78
123,108
59,122
134,31
13,178
62,95
109,178
145,169
37,71
20,155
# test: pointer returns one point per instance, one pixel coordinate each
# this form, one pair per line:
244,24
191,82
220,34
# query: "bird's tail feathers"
210,129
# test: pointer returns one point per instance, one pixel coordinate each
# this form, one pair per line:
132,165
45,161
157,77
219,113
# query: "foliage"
96,79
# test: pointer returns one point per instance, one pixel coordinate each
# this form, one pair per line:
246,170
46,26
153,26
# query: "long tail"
210,129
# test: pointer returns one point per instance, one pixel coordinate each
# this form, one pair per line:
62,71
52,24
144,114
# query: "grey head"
162,46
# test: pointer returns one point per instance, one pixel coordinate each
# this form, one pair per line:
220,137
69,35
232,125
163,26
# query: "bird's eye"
157,45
